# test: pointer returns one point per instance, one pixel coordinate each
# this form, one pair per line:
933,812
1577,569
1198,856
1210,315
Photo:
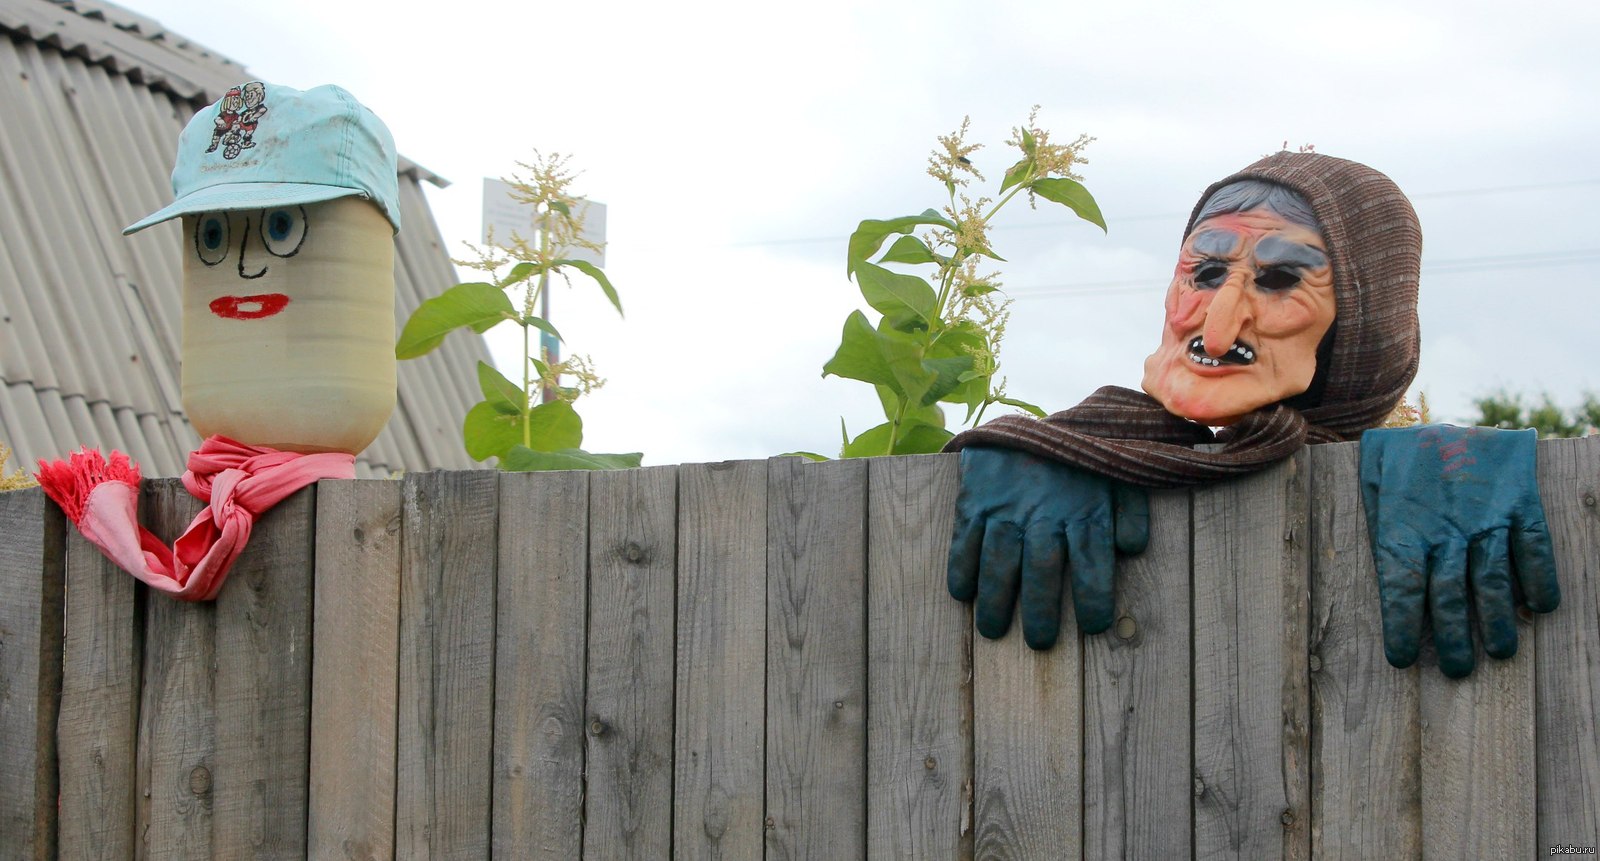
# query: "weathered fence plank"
263,688
99,705
1138,789
816,659
1366,743
539,665
31,583
177,713
1251,721
447,630
1568,651
719,782
355,663
919,670
632,558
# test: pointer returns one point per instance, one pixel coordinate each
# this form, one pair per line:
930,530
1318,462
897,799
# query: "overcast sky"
737,145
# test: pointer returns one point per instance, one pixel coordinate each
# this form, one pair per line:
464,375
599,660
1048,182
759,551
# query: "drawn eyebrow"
1277,251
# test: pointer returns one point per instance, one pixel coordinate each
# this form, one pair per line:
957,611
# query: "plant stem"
527,408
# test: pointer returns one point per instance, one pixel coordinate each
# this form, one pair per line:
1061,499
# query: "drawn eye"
283,230
211,237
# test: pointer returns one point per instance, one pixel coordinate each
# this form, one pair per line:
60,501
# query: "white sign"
506,216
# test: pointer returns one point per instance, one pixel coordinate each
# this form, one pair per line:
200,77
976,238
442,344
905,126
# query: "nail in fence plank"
632,544
32,572
1568,652
1365,714
816,659
263,688
719,767
447,627
541,609
919,731
355,661
1028,746
99,705
1138,789
1250,678
177,714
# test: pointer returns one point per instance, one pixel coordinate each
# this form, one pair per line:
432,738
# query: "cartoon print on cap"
238,112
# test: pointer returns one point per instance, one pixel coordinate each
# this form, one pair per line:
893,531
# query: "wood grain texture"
1028,746
1251,710
541,607
1568,650
919,673
177,713
632,559
99,725
1138,789
32,576
355,662
263,688
816,659
447,629
1365,714
719,783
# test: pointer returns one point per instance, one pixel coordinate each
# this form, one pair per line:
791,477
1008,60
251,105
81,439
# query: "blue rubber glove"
1023,525
1455,520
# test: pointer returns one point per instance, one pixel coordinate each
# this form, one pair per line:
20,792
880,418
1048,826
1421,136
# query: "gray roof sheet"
92,98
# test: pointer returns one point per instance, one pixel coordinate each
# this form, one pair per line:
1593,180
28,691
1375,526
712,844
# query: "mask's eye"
211,237
1277,279
283,230
1210,275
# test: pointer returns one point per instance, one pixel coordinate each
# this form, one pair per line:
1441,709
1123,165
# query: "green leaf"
922,439
870,234
541,367
929,414
561,207
908,249
808,455
860,357
1013,402
594,272
488,432
1071,194
543,325
477,305
1016,174
500,393
554,426
947,376
523,459
519,273
1030,144
892,293
873,442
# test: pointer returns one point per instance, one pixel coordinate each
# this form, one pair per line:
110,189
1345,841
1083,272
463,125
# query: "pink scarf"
240,482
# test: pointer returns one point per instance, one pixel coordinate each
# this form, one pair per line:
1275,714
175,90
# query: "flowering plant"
939,342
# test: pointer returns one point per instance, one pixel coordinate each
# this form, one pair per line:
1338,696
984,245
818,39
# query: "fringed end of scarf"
70,482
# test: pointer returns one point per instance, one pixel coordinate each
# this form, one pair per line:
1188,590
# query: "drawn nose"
244,248
1225,316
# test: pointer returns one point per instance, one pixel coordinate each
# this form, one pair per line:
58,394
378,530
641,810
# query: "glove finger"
1044,556
1535,561
966,547
1447,602
1402,590
998,572
1092,561
1132,516
1489,565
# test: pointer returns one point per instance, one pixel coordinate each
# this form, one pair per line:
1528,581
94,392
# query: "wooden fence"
759,659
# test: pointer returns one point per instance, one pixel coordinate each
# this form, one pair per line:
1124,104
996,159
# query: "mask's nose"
1226,315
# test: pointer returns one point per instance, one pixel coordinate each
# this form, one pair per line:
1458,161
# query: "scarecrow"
288,366
1291,319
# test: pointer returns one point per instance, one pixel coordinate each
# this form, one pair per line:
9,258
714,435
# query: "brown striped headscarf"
1375,245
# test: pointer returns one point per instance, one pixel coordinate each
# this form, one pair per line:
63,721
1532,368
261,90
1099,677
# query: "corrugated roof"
92,98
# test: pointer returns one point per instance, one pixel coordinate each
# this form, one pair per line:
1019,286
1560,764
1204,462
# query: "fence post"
31,583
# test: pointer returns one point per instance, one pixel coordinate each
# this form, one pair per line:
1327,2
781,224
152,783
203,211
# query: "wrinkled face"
1250,300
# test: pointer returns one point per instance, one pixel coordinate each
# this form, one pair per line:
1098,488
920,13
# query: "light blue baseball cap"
262,145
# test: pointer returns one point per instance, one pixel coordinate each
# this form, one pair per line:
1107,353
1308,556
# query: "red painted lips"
249,307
